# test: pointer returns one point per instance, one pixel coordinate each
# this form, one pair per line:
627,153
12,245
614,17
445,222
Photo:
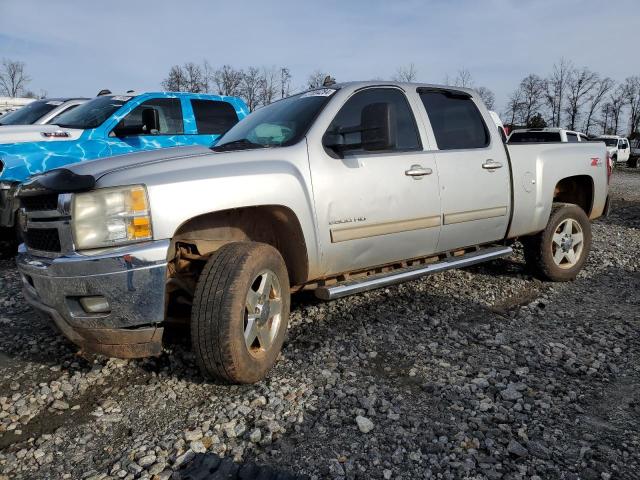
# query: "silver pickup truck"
338,190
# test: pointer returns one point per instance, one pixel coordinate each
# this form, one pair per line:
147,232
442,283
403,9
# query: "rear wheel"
240,312
558,252
632,162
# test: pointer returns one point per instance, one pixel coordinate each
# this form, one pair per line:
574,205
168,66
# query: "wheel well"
275,225
577,190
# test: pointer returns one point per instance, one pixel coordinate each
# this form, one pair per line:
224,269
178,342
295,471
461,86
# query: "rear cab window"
213,117
572,138
455,119
534,137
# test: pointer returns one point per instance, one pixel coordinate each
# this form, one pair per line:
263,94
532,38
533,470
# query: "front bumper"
130,278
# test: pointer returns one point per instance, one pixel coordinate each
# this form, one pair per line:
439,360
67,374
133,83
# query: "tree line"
576,98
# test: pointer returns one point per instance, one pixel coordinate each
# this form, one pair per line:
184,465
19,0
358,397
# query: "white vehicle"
9,104
548,134
40,112
618,147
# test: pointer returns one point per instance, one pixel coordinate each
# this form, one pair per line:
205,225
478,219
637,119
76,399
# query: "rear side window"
572,138
455,119
534,137
213,117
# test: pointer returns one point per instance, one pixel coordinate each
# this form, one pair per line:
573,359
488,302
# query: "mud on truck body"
338,190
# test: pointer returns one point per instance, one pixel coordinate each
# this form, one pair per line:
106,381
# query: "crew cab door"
623,150
374,206
473,170
131,134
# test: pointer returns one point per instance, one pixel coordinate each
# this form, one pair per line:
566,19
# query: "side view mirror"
150,121
377,130
378,121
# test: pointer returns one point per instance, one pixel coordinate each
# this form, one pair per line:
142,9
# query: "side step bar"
371,282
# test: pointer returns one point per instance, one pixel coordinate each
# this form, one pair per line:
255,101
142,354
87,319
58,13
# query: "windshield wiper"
240,144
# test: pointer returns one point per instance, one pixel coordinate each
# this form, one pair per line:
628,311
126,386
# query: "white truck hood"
34,133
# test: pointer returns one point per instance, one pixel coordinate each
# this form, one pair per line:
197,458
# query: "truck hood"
34,133
103,166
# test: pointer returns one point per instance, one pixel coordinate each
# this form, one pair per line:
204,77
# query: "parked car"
337,190
634,155
39,112
618,147
110,125
548,134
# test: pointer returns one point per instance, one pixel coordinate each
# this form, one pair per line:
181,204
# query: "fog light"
95,304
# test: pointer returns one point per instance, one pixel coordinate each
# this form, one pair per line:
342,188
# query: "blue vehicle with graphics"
110,125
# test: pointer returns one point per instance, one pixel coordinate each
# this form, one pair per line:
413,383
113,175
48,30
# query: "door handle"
418,171
491,165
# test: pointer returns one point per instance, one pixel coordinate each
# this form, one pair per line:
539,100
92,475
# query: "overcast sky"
80,47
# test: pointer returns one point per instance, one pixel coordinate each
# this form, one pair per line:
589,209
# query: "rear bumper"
131,279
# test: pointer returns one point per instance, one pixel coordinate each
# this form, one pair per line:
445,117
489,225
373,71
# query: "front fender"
187,188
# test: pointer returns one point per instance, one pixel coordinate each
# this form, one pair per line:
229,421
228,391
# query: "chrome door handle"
418,171
491,165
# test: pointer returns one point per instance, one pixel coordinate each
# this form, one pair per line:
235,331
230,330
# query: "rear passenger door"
473,170
212,119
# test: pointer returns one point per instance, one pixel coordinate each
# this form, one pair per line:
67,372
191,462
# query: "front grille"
43,239
40,203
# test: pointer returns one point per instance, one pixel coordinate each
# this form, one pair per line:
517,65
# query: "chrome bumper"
132,280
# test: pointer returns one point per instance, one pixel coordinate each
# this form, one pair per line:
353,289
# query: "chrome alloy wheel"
567,244
263,312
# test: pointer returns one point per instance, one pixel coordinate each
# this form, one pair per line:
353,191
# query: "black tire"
539,249
219,314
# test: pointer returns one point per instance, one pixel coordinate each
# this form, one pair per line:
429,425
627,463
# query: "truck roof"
404,85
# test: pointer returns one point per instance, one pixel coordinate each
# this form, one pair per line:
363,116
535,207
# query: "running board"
371,282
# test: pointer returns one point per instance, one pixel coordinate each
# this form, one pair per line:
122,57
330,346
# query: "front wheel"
558,252
240,312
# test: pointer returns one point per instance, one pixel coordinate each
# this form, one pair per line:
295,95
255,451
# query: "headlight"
110,216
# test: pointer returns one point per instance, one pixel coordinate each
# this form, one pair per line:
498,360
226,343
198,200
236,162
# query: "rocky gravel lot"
481,373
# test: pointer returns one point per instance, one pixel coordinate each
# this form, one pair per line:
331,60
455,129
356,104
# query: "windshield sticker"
323,92
121,98
54,102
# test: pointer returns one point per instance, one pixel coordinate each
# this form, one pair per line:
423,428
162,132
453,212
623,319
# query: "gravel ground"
481,373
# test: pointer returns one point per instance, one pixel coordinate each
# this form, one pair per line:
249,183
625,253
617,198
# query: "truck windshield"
91,114
534,137
28,114
280,124
609,142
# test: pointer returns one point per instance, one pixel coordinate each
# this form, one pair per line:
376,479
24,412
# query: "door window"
169,113
213,117
455,119
403,125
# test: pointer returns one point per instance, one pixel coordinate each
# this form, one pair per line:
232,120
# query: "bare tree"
631,91
515,106
316,79
250,87
285,82
194,78
595,99
268,89
532,89
487,96
617,102
228,80
556,85
13,79
464,79
407,73
175,81
580,84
